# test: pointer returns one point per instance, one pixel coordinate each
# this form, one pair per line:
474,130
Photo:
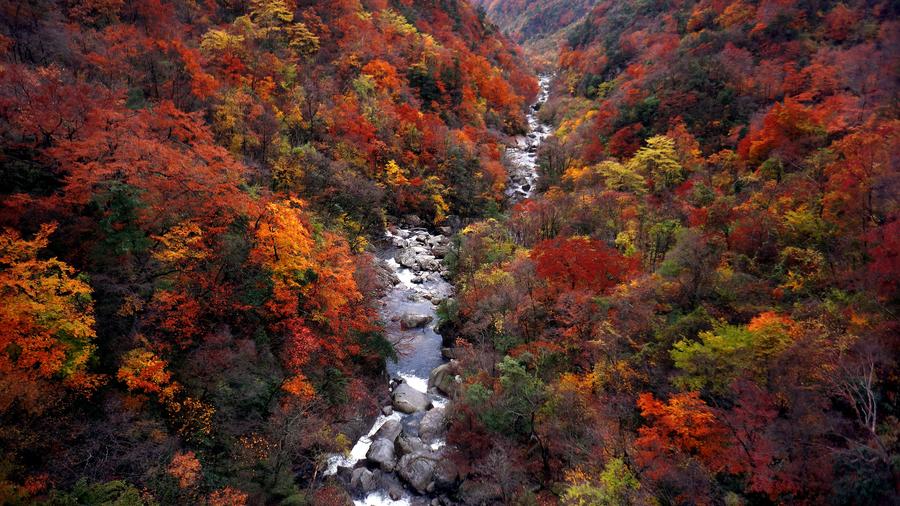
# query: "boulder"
446,474
387,410
417,469
443,378
412,220
407,258
363,480
440,250
433,424
407,444
407,399
382,453
389,430
415,321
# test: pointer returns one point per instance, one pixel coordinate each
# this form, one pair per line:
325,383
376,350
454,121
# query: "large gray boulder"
417,469
433,424
382,453
407,444
363,480
415,321
407,399
389,430
443,378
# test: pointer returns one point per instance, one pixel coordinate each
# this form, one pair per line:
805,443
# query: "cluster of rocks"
408,452
421,251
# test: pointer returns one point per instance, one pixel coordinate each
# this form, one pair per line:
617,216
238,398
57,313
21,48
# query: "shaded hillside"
187,191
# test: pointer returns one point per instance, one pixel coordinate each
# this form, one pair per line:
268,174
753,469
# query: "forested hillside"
701,306
187,194
540,26
295,252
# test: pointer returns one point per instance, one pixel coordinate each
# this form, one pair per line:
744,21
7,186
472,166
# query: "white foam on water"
381,499
359,450
420,384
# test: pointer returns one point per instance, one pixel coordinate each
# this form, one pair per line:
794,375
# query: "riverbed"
409,310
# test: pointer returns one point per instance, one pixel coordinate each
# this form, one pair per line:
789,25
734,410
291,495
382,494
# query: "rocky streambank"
403,460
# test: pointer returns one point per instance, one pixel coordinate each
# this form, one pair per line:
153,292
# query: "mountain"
539,26
189,193
700,305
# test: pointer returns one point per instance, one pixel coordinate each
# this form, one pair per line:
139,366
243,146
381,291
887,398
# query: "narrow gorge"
401,460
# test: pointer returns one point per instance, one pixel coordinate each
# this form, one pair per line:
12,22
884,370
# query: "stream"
400,461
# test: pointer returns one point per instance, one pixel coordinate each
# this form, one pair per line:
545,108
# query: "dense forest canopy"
701,305
698,305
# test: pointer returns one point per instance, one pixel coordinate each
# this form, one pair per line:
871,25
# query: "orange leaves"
142,371
298,386
227,496
185,468
285,244
384,74
46,323
682,428
789,131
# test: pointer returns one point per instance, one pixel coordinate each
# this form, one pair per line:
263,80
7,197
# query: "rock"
433,424
442,378
389,430
382,453
407,444
447,231
413,220
526,187
407,258
414,321
417,469
387,410
440,250
363,480
407,399
429,263
395,493
446,474
448,353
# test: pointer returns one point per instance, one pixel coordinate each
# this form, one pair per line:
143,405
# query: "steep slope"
539,26
700,306
187,193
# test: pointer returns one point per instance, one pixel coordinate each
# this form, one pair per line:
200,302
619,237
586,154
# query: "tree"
658,160
580,263
46,325
616,485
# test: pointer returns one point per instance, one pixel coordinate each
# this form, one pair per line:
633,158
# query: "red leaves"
579,263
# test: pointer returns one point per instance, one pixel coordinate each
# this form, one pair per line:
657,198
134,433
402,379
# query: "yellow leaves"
394,175
219,41
393,21
46,319
441,208
182,243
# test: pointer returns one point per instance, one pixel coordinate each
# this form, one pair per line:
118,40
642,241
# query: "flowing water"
413,256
